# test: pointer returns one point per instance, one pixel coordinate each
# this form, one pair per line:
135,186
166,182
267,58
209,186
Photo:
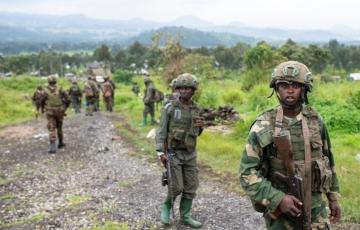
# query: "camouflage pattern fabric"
108,93
149,105
75,94
259,162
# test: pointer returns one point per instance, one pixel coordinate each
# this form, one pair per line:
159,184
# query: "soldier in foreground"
55,101
37,100
180,125
287,164
75,94
149,102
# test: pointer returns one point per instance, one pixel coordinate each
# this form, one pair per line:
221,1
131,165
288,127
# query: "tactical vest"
182,133
54,98
320,168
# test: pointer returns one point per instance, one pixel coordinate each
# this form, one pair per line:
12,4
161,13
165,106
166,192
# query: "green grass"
111,225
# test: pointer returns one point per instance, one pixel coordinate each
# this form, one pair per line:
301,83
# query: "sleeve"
256,186
65,97
162,131
334,188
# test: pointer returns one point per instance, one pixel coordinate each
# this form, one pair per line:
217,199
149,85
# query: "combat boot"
165,211
52,148
61,144
185,207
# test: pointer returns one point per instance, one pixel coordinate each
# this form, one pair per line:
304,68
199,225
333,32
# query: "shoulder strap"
307,182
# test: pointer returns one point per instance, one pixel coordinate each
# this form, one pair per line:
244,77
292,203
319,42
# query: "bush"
254,77
209,98
123,76
233,97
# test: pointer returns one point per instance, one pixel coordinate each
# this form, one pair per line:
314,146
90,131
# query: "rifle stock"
170,182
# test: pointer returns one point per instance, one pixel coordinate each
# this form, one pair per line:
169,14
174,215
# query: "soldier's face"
186,93
289,93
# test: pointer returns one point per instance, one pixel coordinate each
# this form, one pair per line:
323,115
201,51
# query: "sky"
295,14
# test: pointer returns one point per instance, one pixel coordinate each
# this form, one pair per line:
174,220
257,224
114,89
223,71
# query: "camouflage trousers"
149,108
90,105
184,176
319,217
54,124
108,103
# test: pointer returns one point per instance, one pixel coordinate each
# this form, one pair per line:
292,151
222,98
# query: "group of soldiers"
287,167
54,100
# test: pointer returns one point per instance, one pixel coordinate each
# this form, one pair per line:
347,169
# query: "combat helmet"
292,71
147,80
187,80
51,79
173,83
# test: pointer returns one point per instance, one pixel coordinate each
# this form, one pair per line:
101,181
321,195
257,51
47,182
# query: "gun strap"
307,183
278,121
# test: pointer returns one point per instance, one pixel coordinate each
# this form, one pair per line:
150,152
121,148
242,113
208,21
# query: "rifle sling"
307,182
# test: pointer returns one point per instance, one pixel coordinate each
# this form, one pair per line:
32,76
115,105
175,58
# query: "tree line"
332,57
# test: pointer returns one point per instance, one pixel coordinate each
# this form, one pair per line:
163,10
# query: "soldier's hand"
335,211
290,205
162,158
199,123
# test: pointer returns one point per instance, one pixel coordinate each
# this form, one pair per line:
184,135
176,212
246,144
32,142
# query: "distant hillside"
193,38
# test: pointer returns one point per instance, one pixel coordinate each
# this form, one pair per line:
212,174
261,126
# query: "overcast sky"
296,14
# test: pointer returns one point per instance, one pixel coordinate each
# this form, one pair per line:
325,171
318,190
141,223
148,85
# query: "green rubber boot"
185,207
144,121
165,212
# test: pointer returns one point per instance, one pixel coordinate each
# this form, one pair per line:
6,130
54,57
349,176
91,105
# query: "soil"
98,178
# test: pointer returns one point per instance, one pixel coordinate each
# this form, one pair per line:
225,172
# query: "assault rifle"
294,182
169,156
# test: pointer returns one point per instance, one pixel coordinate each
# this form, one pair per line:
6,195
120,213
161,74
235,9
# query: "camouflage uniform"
75,94
149,103
90,90
177,131
260,161
174,95
56,101
108,93
37,100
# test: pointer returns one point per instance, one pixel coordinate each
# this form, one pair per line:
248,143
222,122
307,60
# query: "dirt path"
94,180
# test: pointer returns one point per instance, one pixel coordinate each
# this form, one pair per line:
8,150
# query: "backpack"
158,96
88,91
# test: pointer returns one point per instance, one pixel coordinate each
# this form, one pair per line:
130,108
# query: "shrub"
123,76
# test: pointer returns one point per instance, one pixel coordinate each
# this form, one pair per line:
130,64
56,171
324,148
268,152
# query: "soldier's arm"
162,131
256,186
328,152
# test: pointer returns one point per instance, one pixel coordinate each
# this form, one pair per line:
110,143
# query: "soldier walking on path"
90,96
149,101
108,92
287,165
180,125
55,101
37,100
75,94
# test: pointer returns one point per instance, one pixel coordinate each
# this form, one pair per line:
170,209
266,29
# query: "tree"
102,53
262,56
198,64
316,58
137,54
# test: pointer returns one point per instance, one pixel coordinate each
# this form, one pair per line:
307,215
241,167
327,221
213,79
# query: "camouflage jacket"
176,127
260,153
55,98
149,94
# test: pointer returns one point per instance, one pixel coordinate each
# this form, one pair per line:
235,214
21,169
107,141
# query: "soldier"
37,100
291,143
174,92
90,90
135,88
114,87
108,92
180,124
149,103
55,101
76,96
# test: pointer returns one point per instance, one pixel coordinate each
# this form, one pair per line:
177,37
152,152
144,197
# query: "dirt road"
95,180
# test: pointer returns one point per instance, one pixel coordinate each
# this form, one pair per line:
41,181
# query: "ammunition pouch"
321,175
